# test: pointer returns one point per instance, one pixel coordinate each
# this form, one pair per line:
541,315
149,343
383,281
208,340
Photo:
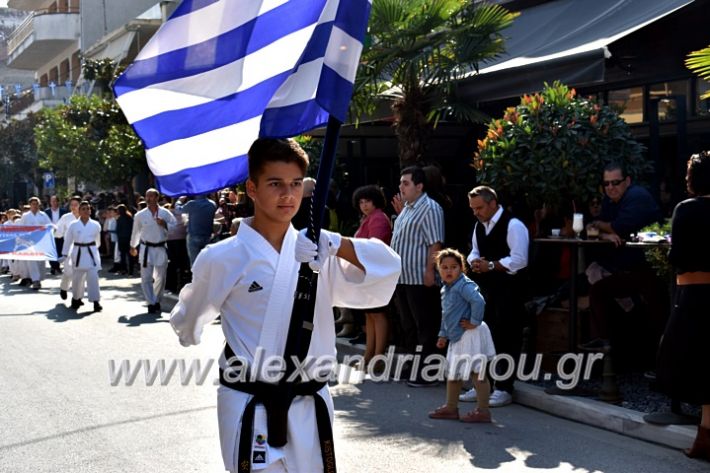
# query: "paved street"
60,413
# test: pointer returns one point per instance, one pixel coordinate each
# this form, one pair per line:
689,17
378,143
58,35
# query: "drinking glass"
577,223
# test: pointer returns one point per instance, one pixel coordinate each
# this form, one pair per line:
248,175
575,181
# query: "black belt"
149,244
276,399
78,252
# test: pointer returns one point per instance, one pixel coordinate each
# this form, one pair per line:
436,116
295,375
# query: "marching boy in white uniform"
35,217
250,279
82,239
60,232
150,229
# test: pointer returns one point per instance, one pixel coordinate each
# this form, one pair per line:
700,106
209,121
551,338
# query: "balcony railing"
26,28
16,100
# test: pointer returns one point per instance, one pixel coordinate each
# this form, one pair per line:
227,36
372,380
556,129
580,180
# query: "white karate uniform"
68,272
35,268
251,285
90,260
145,228
18,268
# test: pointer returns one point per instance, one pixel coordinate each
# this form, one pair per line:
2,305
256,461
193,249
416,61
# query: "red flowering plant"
551,148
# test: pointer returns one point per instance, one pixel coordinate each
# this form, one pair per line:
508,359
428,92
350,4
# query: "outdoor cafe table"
574,244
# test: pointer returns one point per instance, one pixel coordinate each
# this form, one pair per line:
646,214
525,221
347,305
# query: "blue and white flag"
27,243
221,73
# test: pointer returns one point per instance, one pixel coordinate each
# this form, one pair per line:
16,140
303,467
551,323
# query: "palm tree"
699,62
418,50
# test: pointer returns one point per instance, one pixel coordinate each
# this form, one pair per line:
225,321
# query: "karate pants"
91,277
35,269
67,275
153,282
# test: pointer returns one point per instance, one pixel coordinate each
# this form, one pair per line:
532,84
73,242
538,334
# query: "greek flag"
221,73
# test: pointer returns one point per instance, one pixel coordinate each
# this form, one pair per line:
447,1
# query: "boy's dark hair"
267,150
418,176
450,253
699,173
371,193
77,198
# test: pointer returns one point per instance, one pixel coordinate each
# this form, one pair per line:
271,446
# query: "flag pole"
325,172
300,329
301,325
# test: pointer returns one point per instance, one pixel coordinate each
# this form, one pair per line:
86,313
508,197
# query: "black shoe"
596,345
115,269
420,383
154,308
76,303
53,271
359,340
25,282
63,294
97,307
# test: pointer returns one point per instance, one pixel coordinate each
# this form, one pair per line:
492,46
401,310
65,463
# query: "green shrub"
551,148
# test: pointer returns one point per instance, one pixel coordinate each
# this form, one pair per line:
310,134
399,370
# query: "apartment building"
56,34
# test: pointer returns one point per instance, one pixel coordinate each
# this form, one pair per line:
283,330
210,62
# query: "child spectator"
468,336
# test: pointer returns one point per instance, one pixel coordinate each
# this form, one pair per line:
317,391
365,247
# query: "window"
702,106
668,105
628,103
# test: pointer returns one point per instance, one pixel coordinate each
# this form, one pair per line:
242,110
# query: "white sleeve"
474,254
200,301
518,242
136,232
68,240
170,220
351,287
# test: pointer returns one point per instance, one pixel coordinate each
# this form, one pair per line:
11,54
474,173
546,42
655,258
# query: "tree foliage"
699,62
89,138
416,52
551,148
18,155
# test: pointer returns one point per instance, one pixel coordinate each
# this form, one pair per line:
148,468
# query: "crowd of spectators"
417,221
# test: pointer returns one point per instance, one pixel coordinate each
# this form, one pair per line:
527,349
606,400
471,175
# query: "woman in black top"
684,361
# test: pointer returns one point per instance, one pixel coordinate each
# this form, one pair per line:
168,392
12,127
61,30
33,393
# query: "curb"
604,416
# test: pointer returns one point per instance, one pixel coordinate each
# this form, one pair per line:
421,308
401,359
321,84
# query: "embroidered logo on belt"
255,287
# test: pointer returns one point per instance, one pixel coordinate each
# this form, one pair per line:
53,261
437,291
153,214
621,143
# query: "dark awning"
562,40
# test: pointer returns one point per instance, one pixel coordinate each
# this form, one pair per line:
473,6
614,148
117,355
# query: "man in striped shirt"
418,234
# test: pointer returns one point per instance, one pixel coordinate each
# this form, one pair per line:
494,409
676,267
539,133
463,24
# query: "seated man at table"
620,273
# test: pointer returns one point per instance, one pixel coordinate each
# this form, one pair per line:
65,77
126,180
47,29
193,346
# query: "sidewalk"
585,410
581,409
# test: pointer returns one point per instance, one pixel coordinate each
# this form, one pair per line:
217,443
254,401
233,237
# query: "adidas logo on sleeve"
255,287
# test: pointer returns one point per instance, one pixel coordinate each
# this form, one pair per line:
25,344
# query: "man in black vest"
498,258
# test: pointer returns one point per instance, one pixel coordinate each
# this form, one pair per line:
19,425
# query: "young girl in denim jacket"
469,339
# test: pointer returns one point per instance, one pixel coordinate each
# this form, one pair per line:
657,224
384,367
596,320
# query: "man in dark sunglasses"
626,209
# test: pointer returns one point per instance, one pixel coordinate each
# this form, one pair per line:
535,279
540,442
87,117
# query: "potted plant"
550,150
